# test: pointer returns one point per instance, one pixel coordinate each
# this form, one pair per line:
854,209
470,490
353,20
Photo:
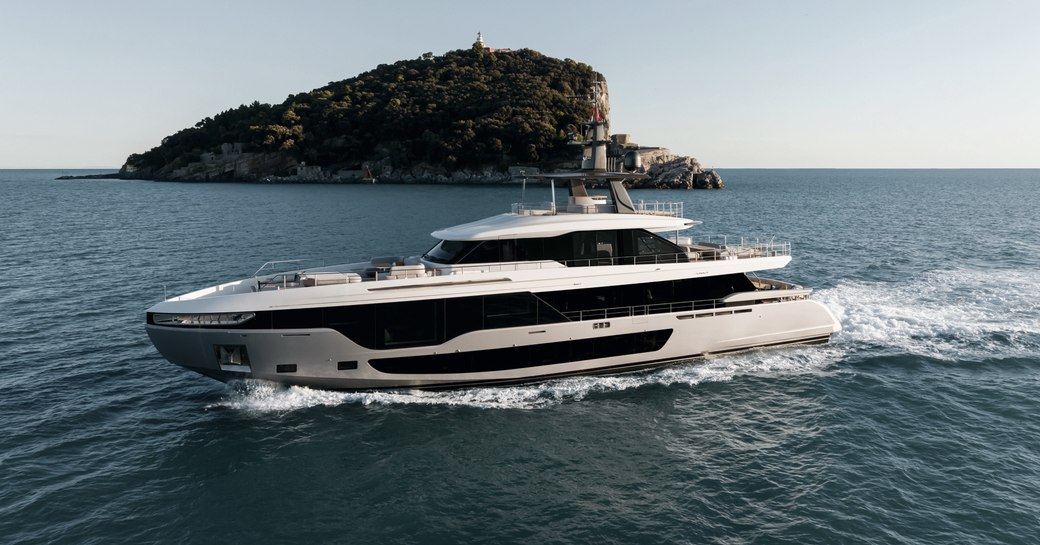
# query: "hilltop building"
480,42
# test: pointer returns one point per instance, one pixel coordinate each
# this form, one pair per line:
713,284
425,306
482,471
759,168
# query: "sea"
919,423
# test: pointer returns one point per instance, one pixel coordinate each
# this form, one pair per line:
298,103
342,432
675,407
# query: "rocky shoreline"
667,171
664,170
108,176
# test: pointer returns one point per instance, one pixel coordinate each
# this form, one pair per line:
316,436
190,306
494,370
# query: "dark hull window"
582,248
355,322
516,309
412,323
522,357
703,290
435,321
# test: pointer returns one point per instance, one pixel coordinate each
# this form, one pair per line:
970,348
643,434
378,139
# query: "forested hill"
470,108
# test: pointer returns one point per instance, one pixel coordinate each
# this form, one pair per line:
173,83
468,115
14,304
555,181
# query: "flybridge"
579,201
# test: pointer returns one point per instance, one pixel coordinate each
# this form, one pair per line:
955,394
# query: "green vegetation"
467,108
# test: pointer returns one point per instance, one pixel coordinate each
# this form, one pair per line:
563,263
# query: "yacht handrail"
742,247
744,250
654,208
661,208
284,261
720,307
452,269
533,208
641,310
269,263
706,248
654,259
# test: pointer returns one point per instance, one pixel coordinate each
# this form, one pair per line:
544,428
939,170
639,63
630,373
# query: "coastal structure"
480,43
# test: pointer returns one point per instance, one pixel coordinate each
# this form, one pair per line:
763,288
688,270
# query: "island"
476,115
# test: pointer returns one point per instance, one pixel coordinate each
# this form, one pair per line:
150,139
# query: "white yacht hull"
324,358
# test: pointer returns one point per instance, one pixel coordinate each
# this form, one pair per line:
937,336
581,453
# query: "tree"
464,108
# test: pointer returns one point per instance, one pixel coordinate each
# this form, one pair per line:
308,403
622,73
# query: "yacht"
598,284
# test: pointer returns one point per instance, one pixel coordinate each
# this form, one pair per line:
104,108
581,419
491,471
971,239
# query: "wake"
947,315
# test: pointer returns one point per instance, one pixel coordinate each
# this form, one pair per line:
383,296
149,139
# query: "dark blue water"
919,423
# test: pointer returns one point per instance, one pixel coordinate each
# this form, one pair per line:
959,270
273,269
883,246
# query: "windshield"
449,251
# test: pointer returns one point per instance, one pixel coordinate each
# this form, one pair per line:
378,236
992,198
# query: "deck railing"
655,208
713,248
287,266
534,208
728,247
642,310
717,307
448,270
660,208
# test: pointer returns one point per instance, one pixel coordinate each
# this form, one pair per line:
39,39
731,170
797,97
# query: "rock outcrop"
218,166
664,170
668,171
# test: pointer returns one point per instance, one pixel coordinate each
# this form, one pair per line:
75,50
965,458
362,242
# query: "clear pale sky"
948,84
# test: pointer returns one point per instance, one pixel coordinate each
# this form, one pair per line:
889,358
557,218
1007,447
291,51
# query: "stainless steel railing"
656,208
714,307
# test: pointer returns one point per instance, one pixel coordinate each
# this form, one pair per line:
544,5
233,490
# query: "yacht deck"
397,268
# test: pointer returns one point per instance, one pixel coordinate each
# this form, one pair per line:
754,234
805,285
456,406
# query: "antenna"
523,188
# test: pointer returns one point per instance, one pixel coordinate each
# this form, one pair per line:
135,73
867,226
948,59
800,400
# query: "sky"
736,84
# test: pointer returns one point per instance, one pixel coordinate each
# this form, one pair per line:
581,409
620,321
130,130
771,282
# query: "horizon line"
116,169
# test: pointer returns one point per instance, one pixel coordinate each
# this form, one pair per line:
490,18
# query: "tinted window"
520,357
462,315
511,310
449,251
355,322
412,323
485,252
651,244
432,322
